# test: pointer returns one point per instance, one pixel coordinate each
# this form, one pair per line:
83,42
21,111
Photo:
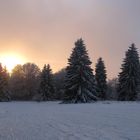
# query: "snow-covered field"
53,121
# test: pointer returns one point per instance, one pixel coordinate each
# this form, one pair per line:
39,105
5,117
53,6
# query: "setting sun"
11,60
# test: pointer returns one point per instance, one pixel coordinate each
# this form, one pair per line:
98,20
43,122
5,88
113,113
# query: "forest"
76,83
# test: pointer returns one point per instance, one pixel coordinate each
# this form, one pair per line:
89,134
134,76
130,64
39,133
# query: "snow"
53,121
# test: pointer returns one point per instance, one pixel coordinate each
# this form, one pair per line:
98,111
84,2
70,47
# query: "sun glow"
11,60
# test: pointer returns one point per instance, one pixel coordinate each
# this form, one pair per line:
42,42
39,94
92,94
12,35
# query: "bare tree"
24,81
112,89
31,73
59,81
16,83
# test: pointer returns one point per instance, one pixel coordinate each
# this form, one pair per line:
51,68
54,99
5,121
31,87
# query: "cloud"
45,31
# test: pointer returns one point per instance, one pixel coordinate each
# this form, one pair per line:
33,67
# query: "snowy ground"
53,121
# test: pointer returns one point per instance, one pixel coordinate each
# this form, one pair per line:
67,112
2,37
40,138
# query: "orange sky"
45,31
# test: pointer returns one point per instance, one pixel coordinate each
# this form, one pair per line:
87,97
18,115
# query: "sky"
44,31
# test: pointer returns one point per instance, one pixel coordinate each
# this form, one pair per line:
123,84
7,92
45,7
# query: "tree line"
74,84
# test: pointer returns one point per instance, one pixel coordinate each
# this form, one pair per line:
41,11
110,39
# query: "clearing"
52,121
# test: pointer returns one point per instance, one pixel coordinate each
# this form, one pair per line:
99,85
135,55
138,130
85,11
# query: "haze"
44,31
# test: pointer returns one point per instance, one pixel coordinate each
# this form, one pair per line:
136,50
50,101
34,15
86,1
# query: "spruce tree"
100,77
79,80
129,77
4,77
46,83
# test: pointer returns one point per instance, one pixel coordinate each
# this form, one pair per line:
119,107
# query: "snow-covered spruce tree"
129,78
46,83
100,77
4,77
79,80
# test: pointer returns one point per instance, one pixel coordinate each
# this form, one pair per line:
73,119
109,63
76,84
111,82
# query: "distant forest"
76,83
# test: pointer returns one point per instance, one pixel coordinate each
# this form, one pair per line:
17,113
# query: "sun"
11,60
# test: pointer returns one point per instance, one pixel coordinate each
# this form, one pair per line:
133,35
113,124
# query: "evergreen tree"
101,79
80,81
129,78
46,84
4,78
